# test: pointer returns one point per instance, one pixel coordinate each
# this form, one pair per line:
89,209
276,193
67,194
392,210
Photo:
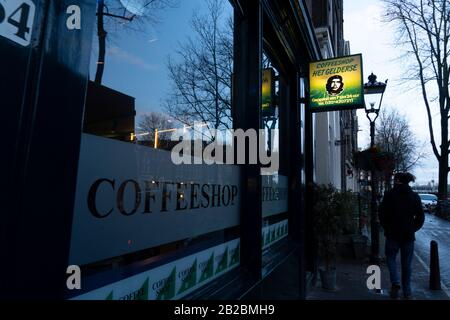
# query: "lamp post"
373,96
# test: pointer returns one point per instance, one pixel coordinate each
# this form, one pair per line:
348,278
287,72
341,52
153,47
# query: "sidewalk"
283,283
352,278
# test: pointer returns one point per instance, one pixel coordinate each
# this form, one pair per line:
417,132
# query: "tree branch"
413,39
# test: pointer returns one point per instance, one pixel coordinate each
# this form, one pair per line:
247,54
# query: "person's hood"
402,188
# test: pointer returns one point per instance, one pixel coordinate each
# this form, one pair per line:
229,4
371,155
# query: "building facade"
97,96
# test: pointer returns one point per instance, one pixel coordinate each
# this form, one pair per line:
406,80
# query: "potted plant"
346,209
327,227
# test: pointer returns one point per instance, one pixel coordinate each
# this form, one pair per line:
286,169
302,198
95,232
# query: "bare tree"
201,71
395,136
151,122
142,12
424,27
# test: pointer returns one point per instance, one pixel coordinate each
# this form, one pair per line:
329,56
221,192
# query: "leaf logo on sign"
110,296
235,257
208,271
168,290
223,264
190,279
143,292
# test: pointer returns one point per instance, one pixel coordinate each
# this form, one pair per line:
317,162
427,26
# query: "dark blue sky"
136,62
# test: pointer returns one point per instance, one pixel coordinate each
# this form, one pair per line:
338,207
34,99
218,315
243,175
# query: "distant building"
109,113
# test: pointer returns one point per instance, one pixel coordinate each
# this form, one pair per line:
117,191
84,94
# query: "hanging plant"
374,159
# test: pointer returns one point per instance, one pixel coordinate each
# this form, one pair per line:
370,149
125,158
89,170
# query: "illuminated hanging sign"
336,84
268,93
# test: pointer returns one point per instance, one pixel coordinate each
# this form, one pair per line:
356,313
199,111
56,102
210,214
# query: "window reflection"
274,189
161,71
109,113
160,68
270,105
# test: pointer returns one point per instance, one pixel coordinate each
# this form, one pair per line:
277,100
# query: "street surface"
439,230
352,276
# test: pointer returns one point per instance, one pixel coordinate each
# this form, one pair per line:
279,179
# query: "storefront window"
160,74
160,67
274,183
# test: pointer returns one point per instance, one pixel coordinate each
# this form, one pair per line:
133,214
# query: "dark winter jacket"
401,213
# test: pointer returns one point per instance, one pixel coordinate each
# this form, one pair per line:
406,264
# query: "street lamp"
373,96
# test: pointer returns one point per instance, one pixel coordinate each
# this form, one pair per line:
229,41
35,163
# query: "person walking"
401,216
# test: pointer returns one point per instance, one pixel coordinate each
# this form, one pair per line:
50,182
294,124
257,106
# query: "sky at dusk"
376,40
141,70
137,56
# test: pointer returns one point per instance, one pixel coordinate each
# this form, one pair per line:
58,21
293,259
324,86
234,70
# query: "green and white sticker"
173,280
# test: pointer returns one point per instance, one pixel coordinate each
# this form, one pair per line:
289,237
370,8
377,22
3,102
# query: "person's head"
404,178
335,85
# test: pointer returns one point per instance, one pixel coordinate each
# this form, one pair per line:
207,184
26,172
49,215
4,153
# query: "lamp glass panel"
373,101
372,116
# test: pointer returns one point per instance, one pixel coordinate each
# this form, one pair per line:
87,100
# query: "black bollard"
435,274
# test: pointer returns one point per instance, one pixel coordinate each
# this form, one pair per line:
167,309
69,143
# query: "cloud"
367,18
129,58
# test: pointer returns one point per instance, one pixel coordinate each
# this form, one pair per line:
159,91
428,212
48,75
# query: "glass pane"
160,76
161,70
274,183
